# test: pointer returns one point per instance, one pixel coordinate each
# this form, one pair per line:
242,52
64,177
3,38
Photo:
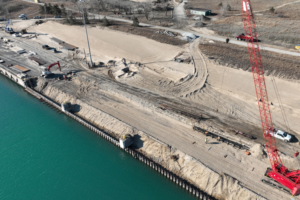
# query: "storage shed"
200,11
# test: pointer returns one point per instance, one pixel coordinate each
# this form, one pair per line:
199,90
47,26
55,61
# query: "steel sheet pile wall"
155,166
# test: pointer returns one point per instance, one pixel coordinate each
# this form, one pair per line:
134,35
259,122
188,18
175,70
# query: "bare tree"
165,7
147,7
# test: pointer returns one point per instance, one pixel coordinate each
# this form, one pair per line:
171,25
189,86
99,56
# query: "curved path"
196,81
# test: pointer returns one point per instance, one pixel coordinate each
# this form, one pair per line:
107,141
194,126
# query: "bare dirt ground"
146,32
202,86
278,28
118,45
284,67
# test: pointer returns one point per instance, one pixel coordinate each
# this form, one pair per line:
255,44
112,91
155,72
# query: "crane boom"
279,172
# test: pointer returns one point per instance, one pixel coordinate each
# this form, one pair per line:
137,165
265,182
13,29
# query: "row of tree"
53,9
127,7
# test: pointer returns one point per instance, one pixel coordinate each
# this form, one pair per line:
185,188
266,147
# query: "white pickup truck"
282,135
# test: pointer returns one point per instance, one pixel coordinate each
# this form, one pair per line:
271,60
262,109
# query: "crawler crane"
280,176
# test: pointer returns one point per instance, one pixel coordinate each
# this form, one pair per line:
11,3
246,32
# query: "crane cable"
285,119
280,104
230,28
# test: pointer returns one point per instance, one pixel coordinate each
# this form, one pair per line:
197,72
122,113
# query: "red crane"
279,172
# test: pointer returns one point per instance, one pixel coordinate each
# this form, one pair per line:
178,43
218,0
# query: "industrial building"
200,11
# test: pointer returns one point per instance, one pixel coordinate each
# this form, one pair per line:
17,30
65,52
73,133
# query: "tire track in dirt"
197,81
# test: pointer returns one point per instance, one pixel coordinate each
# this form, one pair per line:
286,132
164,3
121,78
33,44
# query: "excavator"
47,71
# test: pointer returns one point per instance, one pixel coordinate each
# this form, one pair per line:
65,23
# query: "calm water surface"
46,155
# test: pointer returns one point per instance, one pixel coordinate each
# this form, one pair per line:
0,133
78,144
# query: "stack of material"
189,37
168,33
20,69
36,60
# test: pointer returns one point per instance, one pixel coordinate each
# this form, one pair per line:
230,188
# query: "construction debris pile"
183,57
165,32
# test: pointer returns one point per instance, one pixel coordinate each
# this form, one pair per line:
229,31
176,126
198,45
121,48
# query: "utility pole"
45,5
87,37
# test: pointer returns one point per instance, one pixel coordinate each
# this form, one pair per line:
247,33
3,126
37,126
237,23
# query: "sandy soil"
202,82
218,185
238,84
107,44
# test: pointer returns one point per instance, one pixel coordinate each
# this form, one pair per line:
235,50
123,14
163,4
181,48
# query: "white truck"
282,135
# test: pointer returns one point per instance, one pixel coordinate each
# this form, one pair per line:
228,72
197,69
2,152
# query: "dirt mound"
258,151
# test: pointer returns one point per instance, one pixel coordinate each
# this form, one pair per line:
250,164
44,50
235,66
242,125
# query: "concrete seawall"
11,75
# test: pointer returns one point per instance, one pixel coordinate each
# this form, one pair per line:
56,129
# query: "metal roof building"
200,11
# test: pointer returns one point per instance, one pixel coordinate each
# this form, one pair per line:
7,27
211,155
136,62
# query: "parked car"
297,46
57,16
31,53
244,37
37,17
24,18
2,19
46,47
21,16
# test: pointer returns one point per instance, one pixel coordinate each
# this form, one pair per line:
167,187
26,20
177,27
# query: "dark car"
2,19
46,47
24,18
57,16
37,17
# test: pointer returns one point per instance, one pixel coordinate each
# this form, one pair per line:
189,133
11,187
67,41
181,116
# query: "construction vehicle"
53,50
8,29
39,22
243,37
278,176
47,71
23,31
16,35
46,47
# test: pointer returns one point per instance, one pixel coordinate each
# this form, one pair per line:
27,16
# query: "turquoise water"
46,155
